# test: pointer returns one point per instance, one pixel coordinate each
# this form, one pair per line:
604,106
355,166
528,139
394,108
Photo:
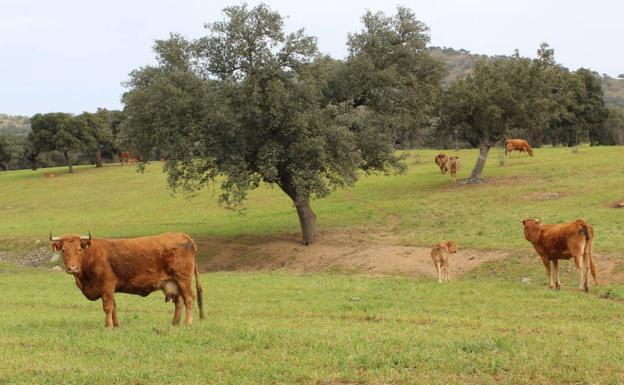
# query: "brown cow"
563,241
102,267
49,175
518,145
126,157
441,161
453,165
439,255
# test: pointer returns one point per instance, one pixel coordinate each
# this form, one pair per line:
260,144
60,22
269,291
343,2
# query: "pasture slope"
333,313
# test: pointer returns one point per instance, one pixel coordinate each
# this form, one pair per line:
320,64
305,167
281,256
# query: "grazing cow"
439,255
453,165
126,157
441,160
49,175
563,241
102,267
518,145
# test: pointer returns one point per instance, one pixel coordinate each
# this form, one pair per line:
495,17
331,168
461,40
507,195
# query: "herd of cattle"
168,262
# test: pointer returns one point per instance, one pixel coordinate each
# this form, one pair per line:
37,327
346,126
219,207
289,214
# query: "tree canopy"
55,131
249,103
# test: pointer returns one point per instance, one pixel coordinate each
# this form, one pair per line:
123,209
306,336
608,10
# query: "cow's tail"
507,141
588,231
200,293
198,287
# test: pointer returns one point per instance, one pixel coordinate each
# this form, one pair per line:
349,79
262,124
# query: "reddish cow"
441,160
563,241
126,157
102,267
518,145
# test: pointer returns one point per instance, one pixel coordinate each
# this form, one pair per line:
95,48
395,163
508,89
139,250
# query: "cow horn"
86,238
52,239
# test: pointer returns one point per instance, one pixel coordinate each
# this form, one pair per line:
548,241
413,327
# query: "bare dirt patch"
358,251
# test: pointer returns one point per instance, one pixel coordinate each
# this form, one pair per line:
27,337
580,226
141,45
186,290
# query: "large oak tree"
249,103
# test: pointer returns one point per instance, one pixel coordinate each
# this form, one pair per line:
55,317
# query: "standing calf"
103,267
453,165
439,255
563,241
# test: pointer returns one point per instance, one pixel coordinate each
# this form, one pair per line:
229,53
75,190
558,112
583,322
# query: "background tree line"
54,139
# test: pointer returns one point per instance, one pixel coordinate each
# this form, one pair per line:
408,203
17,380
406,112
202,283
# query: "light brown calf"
454,165
439,255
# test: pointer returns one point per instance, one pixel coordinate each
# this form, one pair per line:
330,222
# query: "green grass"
275,328
118,201
313,329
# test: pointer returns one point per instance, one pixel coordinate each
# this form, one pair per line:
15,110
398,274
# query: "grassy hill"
486,327
423,206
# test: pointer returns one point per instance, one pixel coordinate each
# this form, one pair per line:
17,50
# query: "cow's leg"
446,272
179,303
585,280
580,266
439,267
115,320
555,263
108,303
186,291
548,272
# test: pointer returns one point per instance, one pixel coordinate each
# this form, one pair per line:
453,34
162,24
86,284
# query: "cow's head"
72,248
451,246
530,151
531,228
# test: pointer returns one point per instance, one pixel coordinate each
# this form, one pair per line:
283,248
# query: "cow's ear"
85,243
56,246
538,220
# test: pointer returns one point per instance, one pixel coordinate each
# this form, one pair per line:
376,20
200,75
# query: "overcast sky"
73,55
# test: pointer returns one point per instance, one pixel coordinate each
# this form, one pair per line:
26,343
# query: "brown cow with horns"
103,267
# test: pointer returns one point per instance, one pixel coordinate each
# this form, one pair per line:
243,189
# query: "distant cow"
563,241
518,145
441,159
102,267
439,255
453,165
126,157
49,175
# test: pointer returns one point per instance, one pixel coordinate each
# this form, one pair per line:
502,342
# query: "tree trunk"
475,176
69,164
307,219
98,158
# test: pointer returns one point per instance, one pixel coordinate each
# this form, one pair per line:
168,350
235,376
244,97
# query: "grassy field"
555,185
313,329
276,328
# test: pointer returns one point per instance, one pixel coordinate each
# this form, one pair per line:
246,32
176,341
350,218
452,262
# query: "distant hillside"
460,62
18,125
613,91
